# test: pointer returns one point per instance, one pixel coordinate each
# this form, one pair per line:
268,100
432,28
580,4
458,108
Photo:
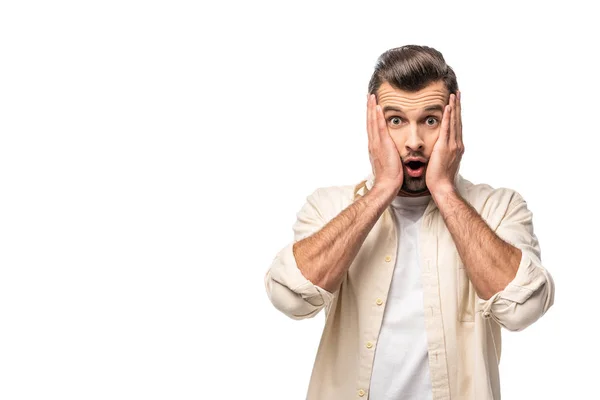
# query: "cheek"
398,140
431,139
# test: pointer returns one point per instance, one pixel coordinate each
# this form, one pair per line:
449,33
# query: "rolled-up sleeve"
289,291
531,293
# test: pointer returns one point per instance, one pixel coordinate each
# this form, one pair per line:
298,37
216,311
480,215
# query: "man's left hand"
448,150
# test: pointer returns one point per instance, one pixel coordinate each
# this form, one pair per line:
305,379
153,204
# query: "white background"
153,156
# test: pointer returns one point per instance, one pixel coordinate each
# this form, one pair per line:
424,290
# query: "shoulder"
489,199
331,200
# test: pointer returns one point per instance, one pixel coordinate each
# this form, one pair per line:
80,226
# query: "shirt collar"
370,180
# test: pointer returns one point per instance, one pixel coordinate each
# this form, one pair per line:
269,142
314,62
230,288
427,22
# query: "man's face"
414,120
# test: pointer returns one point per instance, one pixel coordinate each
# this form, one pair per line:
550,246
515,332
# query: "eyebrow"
435,107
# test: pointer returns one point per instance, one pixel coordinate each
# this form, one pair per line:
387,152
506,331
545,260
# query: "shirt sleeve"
289,291
531,293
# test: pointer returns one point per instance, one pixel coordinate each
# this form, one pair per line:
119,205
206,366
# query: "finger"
373,110
381,124
369,117
452,130
444,135
458,119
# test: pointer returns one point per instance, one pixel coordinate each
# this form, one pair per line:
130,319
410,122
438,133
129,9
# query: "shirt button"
361,393
379,302
388,258
369,345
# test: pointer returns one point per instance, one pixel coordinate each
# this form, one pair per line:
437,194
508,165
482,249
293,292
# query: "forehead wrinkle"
434,91
400,98
406,106
433,95
403,104
415,110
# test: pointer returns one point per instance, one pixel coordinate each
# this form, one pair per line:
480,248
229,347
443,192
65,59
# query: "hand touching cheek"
447,152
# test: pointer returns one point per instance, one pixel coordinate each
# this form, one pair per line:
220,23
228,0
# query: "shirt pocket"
466,294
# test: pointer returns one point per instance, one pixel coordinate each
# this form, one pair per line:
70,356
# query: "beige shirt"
463,331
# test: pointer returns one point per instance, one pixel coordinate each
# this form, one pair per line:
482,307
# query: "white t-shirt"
401,364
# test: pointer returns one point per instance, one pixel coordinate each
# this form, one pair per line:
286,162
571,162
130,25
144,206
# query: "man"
416,267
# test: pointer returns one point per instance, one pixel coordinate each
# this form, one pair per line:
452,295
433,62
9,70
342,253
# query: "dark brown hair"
411,68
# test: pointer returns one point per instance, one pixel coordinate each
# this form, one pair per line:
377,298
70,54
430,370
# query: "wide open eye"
431,121
395,120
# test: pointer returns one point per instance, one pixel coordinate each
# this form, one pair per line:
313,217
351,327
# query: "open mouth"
415,169
415,165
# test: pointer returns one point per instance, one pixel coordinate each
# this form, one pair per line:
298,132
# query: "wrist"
441,191
384,191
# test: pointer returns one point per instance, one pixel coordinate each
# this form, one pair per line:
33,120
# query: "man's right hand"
325,255
385,160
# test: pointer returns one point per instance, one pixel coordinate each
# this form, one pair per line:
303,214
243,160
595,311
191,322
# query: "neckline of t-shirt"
410,202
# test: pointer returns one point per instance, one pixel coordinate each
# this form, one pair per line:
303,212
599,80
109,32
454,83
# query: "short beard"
414,186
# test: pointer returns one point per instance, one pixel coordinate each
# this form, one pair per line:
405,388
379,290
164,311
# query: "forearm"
324,257
490,262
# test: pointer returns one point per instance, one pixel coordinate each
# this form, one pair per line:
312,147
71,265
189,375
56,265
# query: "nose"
415,142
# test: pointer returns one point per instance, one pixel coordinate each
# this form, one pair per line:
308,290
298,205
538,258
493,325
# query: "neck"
402,193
